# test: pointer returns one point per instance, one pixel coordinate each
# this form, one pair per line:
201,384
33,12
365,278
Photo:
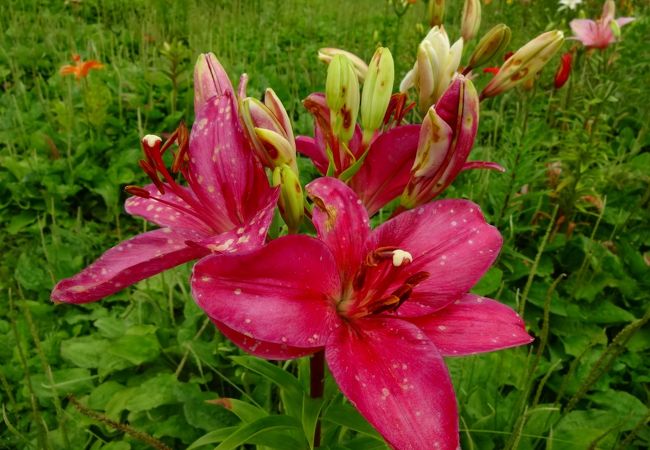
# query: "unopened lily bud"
609,10
291,201
342,95
491,44
436,10
272,140
525,63
377,91
563,71
273,103
360,67
437,63
210,79
471,20
446,139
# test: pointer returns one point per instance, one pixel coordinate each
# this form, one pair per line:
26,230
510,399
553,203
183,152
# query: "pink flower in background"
226,206
386,305
599,33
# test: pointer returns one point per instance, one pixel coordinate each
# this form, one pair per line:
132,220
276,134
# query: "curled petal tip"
210,79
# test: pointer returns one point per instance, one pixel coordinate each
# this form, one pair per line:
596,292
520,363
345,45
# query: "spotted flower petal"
397,379
473,324
162,214
129,262
450,240
387,167
281,293
226,176
250,235
262,349
341,221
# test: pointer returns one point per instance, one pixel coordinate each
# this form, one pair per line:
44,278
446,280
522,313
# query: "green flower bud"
436,10
291,202
525,63
270,134
377,90
360,67
491,44
342,95
616,29
471,20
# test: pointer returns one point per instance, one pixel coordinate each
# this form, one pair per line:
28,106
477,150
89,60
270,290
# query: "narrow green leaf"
270,423
346,416
310,411
272,372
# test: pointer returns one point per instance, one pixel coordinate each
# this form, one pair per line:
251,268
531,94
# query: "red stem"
317,385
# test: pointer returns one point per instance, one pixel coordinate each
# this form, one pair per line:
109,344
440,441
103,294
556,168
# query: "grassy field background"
573,208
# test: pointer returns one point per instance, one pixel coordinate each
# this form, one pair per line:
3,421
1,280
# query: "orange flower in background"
80,68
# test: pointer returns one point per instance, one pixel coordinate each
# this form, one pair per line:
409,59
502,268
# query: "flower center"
373,286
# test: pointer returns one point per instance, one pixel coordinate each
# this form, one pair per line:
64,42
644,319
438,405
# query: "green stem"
538,257
139,435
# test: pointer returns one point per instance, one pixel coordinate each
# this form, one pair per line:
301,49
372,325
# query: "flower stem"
317,385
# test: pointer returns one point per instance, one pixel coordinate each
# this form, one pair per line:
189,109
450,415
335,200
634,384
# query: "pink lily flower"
227,205
386,305
389,155
446,140
599,33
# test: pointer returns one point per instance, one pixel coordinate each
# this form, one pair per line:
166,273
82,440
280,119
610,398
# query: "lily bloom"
437,63
599,33
386,306
80,68
563,70
227,205
384,170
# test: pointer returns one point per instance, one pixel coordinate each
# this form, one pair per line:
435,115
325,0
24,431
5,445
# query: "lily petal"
247,237
397,379
280,293
308,147
129,262
585,30
227,176
473,324
341,222
210,79
261,349
162,214
450,240
624,20
387,167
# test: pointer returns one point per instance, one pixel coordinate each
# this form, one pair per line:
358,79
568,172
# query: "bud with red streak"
563,70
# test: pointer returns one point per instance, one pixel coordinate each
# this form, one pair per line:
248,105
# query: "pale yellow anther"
151,140
401,257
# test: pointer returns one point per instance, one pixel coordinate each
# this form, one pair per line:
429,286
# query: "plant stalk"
317,385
